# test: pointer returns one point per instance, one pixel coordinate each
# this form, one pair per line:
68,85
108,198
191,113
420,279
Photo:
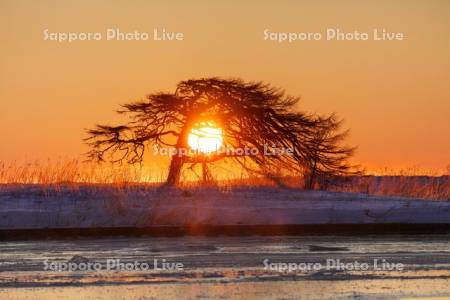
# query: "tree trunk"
311,176
207,176
175,170
204,172
177,161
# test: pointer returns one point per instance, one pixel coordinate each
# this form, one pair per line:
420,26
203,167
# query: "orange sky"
394,95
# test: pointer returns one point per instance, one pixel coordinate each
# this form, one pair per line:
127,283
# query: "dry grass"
74,174
423,187
74,171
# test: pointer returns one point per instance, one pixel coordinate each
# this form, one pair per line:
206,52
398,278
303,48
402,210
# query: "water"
228,267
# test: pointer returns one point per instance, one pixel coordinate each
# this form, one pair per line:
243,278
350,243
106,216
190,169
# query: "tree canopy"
252,115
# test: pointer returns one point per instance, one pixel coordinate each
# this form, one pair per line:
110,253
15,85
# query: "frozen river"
225,267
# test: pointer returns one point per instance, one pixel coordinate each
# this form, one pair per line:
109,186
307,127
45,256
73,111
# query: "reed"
410,182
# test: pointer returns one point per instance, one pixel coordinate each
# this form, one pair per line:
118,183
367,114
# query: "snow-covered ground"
92,207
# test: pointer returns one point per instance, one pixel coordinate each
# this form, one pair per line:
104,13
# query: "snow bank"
96,207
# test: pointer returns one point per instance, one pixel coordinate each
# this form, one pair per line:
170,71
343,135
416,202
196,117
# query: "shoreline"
228,230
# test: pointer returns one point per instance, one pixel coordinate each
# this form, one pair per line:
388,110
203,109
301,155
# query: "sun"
205,137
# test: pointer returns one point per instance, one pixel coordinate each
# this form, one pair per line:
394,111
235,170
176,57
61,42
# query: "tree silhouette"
327,157
252,115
